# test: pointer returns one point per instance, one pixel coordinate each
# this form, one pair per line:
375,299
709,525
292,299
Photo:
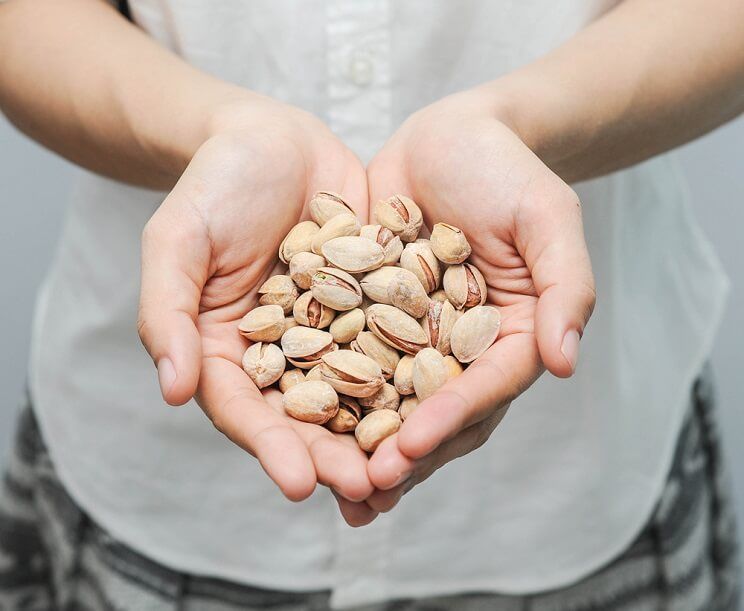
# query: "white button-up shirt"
563,485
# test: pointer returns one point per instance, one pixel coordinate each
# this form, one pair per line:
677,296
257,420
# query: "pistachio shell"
375,427
353,254
347,326
385,398
325,205
453,367
313,401
298,240
264,364
339,226
396,328
474,332
336,289
401,215
290,378
289,322
391,243
351,373
449,244
303,346
438,295
263,324
407,406
403,379
303,266
372,346
348,415
311,313
279,290
375,284
429,373
438,322
314,373
406,293
465,286
418,258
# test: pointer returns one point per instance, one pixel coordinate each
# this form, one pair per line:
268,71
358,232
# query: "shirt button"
361,71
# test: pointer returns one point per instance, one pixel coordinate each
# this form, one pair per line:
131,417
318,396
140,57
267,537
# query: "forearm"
84,82
644,78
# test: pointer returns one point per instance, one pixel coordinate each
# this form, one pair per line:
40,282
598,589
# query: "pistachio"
385,398
336,289
348,415
375,427
351,373
325,205
303,266
264,364
314,373
429,373
309,312
417,257
263,324
375,284
370,345
401,215
449,244
279,290
465,286
353,254
347,326
290,378
406,293
403,379
396,328
408,406
438,322
339,226
391,244
453,367
313,401
289,322
303,346
438,295
298,240
474,332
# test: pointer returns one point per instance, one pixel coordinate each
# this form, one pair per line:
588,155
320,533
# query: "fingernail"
166,375
570,348
402,477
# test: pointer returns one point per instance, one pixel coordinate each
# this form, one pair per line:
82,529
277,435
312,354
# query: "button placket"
358,72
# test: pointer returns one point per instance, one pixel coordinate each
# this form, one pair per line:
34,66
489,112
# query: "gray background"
34,185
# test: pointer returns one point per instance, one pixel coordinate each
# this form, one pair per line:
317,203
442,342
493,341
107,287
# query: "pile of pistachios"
362,320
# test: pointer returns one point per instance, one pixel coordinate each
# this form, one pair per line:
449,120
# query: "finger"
175,259
506,370
355,514
347,178
338,465
383,501
238,410
556,253
388,467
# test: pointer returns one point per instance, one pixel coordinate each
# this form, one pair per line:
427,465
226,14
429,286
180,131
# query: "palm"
464,167
232,207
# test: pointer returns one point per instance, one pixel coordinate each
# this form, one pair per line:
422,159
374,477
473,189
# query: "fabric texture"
576,466
55,556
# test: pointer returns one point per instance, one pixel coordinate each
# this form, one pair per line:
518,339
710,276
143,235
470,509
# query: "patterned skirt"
53,556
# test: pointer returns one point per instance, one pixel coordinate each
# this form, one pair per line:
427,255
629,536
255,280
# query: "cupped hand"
465,167
205,252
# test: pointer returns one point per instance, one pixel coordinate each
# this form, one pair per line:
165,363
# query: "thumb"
175,260
556,253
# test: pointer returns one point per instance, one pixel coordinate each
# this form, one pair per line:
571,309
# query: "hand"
205,252
463,166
